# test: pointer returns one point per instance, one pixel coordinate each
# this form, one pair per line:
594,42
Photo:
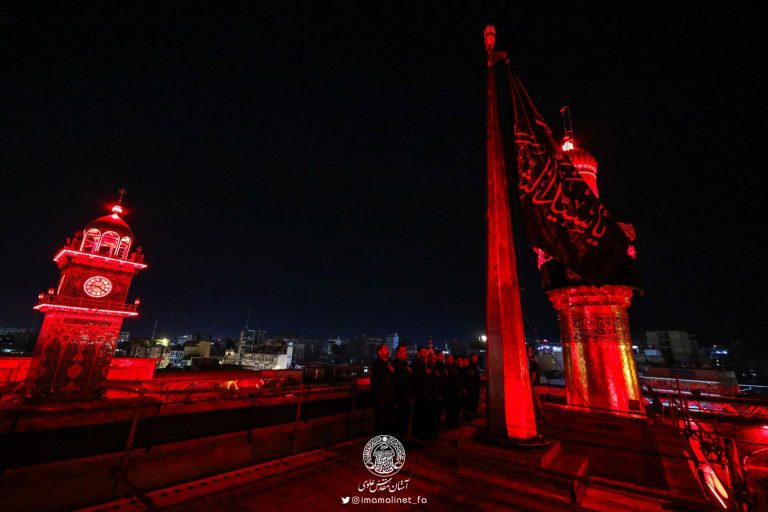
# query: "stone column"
597,348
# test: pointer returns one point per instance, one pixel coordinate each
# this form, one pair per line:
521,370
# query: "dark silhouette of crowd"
433,391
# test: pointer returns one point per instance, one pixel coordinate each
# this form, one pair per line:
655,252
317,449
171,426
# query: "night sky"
322,164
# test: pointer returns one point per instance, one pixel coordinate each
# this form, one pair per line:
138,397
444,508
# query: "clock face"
97,286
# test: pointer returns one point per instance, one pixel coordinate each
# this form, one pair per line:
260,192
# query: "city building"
255,352
249,340
123,344
331,346
392,341
307,350
275,354
677,347
362,349
155,349
231,357
199,349
718,356
158,352
186,338
15,340
176,357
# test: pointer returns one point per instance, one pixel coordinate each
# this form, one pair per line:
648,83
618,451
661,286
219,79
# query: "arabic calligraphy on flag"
561,215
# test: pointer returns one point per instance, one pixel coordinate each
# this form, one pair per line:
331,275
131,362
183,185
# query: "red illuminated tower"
84,313
594,325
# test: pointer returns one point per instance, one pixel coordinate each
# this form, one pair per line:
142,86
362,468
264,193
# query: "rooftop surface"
632,465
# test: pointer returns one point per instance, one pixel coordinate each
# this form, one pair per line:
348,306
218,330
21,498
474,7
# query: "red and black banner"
561,215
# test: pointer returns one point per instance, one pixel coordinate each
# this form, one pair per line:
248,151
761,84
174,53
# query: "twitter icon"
345,499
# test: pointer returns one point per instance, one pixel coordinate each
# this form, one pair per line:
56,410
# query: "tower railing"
82,302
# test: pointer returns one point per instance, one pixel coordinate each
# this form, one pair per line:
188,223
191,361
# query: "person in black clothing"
452,393
473,388
437,381
442,373
403,391
657,408
533,366
421,392
535,374
383,390
462,363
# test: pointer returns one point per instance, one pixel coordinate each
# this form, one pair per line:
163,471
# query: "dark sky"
322,164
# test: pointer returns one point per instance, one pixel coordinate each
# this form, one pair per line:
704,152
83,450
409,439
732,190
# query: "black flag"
561,215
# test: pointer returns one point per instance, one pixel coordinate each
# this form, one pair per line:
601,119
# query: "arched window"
90,240
125,246
109,243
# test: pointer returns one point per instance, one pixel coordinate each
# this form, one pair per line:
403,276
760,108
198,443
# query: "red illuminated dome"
582,160
108,235
111,223
585,163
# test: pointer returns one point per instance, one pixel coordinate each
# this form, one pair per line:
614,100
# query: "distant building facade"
392,341
331,344
677,347
249,340
176,357
271,355
307,350
15,340
256,352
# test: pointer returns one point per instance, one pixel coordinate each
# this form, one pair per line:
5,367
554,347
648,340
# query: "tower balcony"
52,302
67,254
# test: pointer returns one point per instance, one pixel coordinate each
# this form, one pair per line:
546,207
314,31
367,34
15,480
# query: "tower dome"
111,223
585,164
108,235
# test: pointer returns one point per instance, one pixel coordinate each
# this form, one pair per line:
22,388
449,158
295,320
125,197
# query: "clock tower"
84,313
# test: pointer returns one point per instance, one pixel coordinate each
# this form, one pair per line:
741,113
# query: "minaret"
84,313
594,325
510,412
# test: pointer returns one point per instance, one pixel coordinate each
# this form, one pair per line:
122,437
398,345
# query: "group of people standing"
413,398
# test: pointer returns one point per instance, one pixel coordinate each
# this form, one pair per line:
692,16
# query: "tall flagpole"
510,414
